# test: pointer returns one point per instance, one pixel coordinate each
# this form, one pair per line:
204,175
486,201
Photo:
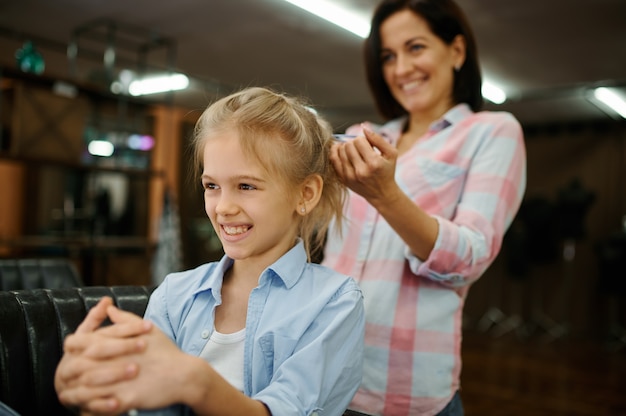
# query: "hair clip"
344,137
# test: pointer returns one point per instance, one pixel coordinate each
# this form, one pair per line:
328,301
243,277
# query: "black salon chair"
52,273
33,324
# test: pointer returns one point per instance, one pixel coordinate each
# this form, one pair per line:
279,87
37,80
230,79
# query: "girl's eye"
209,185
246,187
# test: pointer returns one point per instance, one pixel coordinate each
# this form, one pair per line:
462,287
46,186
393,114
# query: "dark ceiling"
545,54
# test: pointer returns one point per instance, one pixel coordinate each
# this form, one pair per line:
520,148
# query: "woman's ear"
458,48
310,194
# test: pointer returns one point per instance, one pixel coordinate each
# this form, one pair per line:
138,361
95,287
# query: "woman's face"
417,65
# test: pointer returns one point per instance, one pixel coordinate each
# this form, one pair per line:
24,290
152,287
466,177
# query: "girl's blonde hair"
289,140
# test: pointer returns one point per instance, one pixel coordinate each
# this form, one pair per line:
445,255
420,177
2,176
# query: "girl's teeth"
235,230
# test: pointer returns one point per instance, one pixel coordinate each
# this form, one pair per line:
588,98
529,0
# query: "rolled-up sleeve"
493,188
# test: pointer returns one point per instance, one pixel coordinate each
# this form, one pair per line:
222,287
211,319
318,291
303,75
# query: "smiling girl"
263,331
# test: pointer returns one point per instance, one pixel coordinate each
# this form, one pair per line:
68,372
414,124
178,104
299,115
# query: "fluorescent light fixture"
158,84
100,148
346,19
611,99
493,93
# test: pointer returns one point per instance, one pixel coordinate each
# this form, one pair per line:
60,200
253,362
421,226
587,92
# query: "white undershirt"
225,354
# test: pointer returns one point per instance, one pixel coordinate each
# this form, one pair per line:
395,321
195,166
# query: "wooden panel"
46,125
11,202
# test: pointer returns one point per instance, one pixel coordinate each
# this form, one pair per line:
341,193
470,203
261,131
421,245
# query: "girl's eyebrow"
238,178
245,178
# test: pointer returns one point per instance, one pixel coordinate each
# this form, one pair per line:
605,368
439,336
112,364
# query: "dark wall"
575,201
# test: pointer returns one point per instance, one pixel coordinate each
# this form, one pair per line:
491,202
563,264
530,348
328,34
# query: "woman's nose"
403,64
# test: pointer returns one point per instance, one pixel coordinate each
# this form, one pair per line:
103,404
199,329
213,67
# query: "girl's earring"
303,210
457,67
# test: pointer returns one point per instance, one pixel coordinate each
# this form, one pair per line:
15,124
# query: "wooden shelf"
40,161
80,242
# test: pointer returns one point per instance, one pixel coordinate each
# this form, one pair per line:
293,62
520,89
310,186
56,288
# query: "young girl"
262,331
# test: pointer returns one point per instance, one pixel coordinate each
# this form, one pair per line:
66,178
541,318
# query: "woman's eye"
416,47
386,57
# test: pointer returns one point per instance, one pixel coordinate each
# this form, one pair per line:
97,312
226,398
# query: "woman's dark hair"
446,20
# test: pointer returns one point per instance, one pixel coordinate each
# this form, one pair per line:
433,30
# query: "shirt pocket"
434,185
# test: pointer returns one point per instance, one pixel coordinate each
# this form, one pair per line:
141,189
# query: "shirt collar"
213,281
393,128
456,114
287,268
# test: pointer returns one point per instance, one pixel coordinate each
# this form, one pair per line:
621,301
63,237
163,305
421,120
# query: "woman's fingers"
337,159
377,141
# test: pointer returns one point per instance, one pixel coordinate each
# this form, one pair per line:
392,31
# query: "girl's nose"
226,205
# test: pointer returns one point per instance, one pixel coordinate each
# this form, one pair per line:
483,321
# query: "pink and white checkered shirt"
469,172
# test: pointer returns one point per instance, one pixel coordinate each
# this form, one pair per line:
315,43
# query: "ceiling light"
346,19
493,93
100,148
158,84
611,99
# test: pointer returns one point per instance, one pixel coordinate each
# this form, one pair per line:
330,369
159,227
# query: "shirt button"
205,334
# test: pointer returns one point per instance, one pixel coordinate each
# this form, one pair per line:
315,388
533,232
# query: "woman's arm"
492,192
457,250
367,166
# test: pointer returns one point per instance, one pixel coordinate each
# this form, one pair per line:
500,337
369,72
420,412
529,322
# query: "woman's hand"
367,165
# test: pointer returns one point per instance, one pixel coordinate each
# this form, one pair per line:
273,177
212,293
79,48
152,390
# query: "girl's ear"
310,194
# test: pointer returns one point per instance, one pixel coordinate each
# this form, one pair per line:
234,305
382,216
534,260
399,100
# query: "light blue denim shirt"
304,330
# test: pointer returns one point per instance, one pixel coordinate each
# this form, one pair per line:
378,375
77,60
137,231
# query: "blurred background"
94,167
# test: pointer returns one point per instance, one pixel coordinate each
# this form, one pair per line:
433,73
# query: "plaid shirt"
469,172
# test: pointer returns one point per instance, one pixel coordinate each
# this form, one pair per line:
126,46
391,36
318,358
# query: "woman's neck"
417,126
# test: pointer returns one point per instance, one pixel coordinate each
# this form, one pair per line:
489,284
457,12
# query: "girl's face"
253,214
417,65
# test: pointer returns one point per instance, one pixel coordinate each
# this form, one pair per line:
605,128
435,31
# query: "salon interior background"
547,57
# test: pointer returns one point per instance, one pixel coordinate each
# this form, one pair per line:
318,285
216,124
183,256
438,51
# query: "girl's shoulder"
320,275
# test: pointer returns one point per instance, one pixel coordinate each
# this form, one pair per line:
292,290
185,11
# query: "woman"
433,191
